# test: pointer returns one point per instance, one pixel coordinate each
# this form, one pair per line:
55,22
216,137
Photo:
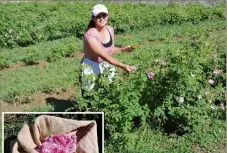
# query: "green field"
1,137
179,110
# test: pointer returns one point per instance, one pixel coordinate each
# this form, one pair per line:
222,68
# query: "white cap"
99,8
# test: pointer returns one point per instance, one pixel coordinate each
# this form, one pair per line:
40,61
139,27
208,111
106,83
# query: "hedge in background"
23,24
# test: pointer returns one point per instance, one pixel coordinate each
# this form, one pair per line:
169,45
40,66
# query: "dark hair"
91,24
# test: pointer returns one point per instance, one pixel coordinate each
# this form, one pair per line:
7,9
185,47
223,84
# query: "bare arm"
95,47
117,50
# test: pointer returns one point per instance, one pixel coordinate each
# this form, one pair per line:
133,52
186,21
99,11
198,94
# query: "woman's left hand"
126,49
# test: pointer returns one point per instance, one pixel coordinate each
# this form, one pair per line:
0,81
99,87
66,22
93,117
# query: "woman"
98,46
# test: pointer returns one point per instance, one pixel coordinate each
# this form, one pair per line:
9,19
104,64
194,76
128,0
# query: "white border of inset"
102,113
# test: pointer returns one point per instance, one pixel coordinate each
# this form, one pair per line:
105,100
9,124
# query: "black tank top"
110,42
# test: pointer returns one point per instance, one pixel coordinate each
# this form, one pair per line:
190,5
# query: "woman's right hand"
129,68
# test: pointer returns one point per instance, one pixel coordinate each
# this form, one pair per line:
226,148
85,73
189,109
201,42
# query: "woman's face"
101,19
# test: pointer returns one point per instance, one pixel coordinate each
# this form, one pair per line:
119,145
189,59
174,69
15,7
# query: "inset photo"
53,132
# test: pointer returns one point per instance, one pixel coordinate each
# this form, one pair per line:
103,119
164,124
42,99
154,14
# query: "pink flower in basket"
58,144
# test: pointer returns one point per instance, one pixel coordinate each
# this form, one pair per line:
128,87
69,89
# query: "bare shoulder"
91,31
111,28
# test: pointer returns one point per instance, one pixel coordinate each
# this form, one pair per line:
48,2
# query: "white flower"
206,92
134,68
180,99
214,56
212,106
199,97
217,72
10,31
222,106
163,63
211,81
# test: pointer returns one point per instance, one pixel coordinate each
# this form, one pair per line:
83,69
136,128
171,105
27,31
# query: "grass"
43,108
62,73
148,140
42,50
57,74
1,135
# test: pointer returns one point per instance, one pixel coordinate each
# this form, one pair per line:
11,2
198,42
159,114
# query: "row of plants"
176,90
15,85
67,47
203,139
48,51
32,23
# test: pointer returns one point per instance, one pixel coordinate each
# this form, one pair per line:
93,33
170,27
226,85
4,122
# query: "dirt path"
59,99
41,63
